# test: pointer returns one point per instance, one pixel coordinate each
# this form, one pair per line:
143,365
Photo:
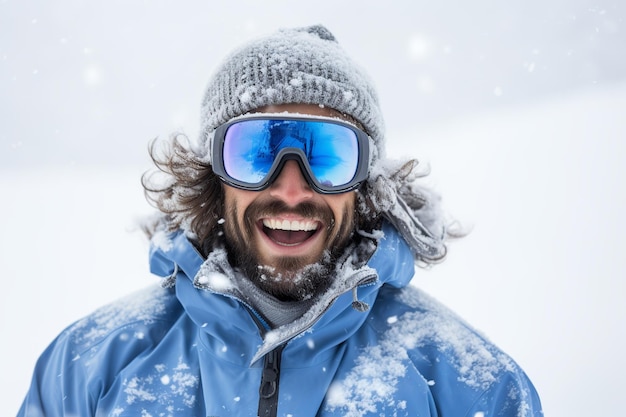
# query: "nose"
290,186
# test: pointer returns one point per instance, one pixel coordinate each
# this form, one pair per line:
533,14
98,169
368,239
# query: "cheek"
236,201
343,206
341,203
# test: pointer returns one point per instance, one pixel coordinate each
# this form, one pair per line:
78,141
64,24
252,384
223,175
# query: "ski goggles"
249,153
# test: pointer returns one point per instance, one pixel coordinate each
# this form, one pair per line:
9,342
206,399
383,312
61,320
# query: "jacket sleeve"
59,386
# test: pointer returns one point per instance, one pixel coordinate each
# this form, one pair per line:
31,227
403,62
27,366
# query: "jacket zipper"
270,378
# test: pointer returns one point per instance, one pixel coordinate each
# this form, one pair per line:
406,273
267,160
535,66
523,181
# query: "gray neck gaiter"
276,312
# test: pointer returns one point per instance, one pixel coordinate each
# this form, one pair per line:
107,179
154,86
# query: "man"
287,242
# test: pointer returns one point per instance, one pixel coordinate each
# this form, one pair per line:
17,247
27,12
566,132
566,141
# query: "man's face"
286,237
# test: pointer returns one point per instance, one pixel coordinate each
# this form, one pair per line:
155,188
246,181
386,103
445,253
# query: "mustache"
272,208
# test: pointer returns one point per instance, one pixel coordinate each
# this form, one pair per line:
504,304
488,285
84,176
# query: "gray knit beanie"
302,65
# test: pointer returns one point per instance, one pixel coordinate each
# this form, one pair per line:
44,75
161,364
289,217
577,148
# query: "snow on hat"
301,65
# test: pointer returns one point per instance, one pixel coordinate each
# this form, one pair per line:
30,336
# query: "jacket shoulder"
424,325
87,357
451,356
141,312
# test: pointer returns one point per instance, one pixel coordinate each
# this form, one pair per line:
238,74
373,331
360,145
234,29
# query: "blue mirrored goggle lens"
251,147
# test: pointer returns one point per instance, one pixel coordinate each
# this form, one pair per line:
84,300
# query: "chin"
290,267
294,284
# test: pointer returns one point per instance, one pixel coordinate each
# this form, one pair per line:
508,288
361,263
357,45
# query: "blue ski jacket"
195,348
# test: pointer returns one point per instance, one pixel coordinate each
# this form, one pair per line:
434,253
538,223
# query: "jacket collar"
206,287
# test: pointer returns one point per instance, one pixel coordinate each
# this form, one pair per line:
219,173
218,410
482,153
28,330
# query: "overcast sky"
92,82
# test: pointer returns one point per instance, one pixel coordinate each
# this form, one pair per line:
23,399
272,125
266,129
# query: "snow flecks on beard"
287,278
166,390
373,381
299,284
291,271
143,305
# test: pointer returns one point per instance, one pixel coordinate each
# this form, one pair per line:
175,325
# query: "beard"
288,278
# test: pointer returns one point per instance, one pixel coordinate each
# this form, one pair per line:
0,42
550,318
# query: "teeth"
294,225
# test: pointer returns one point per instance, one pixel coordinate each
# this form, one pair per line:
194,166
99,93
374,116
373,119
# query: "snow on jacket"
195,349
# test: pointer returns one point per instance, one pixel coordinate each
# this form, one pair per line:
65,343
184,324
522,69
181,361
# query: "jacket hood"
207,290
413,209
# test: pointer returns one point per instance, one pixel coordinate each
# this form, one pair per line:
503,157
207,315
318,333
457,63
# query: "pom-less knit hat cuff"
303,65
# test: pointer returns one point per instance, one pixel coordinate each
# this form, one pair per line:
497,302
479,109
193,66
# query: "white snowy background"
518,106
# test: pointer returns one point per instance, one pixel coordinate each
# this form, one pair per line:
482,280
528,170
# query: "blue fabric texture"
195,349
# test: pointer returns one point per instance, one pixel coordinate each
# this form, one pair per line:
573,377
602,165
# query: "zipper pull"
358,305
268,391
269,379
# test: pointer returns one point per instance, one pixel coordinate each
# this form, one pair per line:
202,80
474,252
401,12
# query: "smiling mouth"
289,232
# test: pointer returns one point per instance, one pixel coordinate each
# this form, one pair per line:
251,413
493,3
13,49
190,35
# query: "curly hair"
185,190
